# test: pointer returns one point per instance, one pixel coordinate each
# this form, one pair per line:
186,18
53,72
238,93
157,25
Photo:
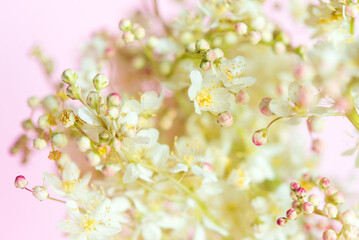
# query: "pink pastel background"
61,27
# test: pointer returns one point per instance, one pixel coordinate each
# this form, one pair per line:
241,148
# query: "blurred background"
61,28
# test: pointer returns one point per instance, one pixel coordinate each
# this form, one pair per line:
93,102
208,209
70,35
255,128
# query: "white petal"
86,115
196,80
211,225
179,167
68,226
71,172
199,233
151,231
131,173
145,173
197,108
73,210
54,183
120,204
85,180
108,230
280,108
130,118
152,134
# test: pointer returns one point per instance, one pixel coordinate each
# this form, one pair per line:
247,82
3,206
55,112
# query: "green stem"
353,117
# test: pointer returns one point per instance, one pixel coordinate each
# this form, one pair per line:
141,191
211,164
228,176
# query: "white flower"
134,171
98,224
71,185
208,95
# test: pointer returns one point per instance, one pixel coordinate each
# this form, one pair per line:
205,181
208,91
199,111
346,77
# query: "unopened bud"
205,65
210,55
83,143
318,146
350,232
219,53
330,211
104,136
33,102
43,122
348,217
301,192
307,208
338,198
114,99
92,99
255,37
128,37
260,137
27,124
69,76
291,214
110,170
314,199
113,112
225,119
59,140
125,25
279,47
202,45
39,143
294,186
282,221
329,235
315,124
73,92
152,42
40,192
264,107
324,183
100,81
352,10
20,182
50,103
242,97
93,159
241,28
139,33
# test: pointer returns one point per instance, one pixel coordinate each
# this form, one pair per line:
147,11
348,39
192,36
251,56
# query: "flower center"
89,224
205,98
69,186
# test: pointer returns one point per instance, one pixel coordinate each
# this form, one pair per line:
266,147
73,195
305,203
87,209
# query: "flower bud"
315,124
210,55
104,136
39,143
20,182
292,214
296,205
93,158
33,102
69,76
202,45
43,122
128,37
260,137
40,192
314,199
242,97
114,112
225,119
324,183
348,217
50,103
307,208
138,62
301,192
264,107
330,211
241,28
352,10
27,124
279,48
83,143
125,25
110,170
318,146
255,37
92,99
294,186
59,140
205,65
329,235
73,92
191,47
219,53
113,100
139,33
282,221
152,42
100,81
350,232
337,198
117,144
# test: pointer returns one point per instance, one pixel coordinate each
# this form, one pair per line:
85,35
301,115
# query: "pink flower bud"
241,28
314,199
93,158
315,124
202,45
307,208
324,183
296,205
337,198
40,192
260,137
210,55
242,97
343,104
114,99
301,192
293,195
139,32
352,10
208,167
292,214
255,37
125,25
329,235
20,182
264,107
282,221
109,170
348,217
205,65
219,53
225,119
128,37
294,186
330,210
350,232
318,146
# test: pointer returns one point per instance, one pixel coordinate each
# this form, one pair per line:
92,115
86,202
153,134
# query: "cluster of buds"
131,31
333,198
209,56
